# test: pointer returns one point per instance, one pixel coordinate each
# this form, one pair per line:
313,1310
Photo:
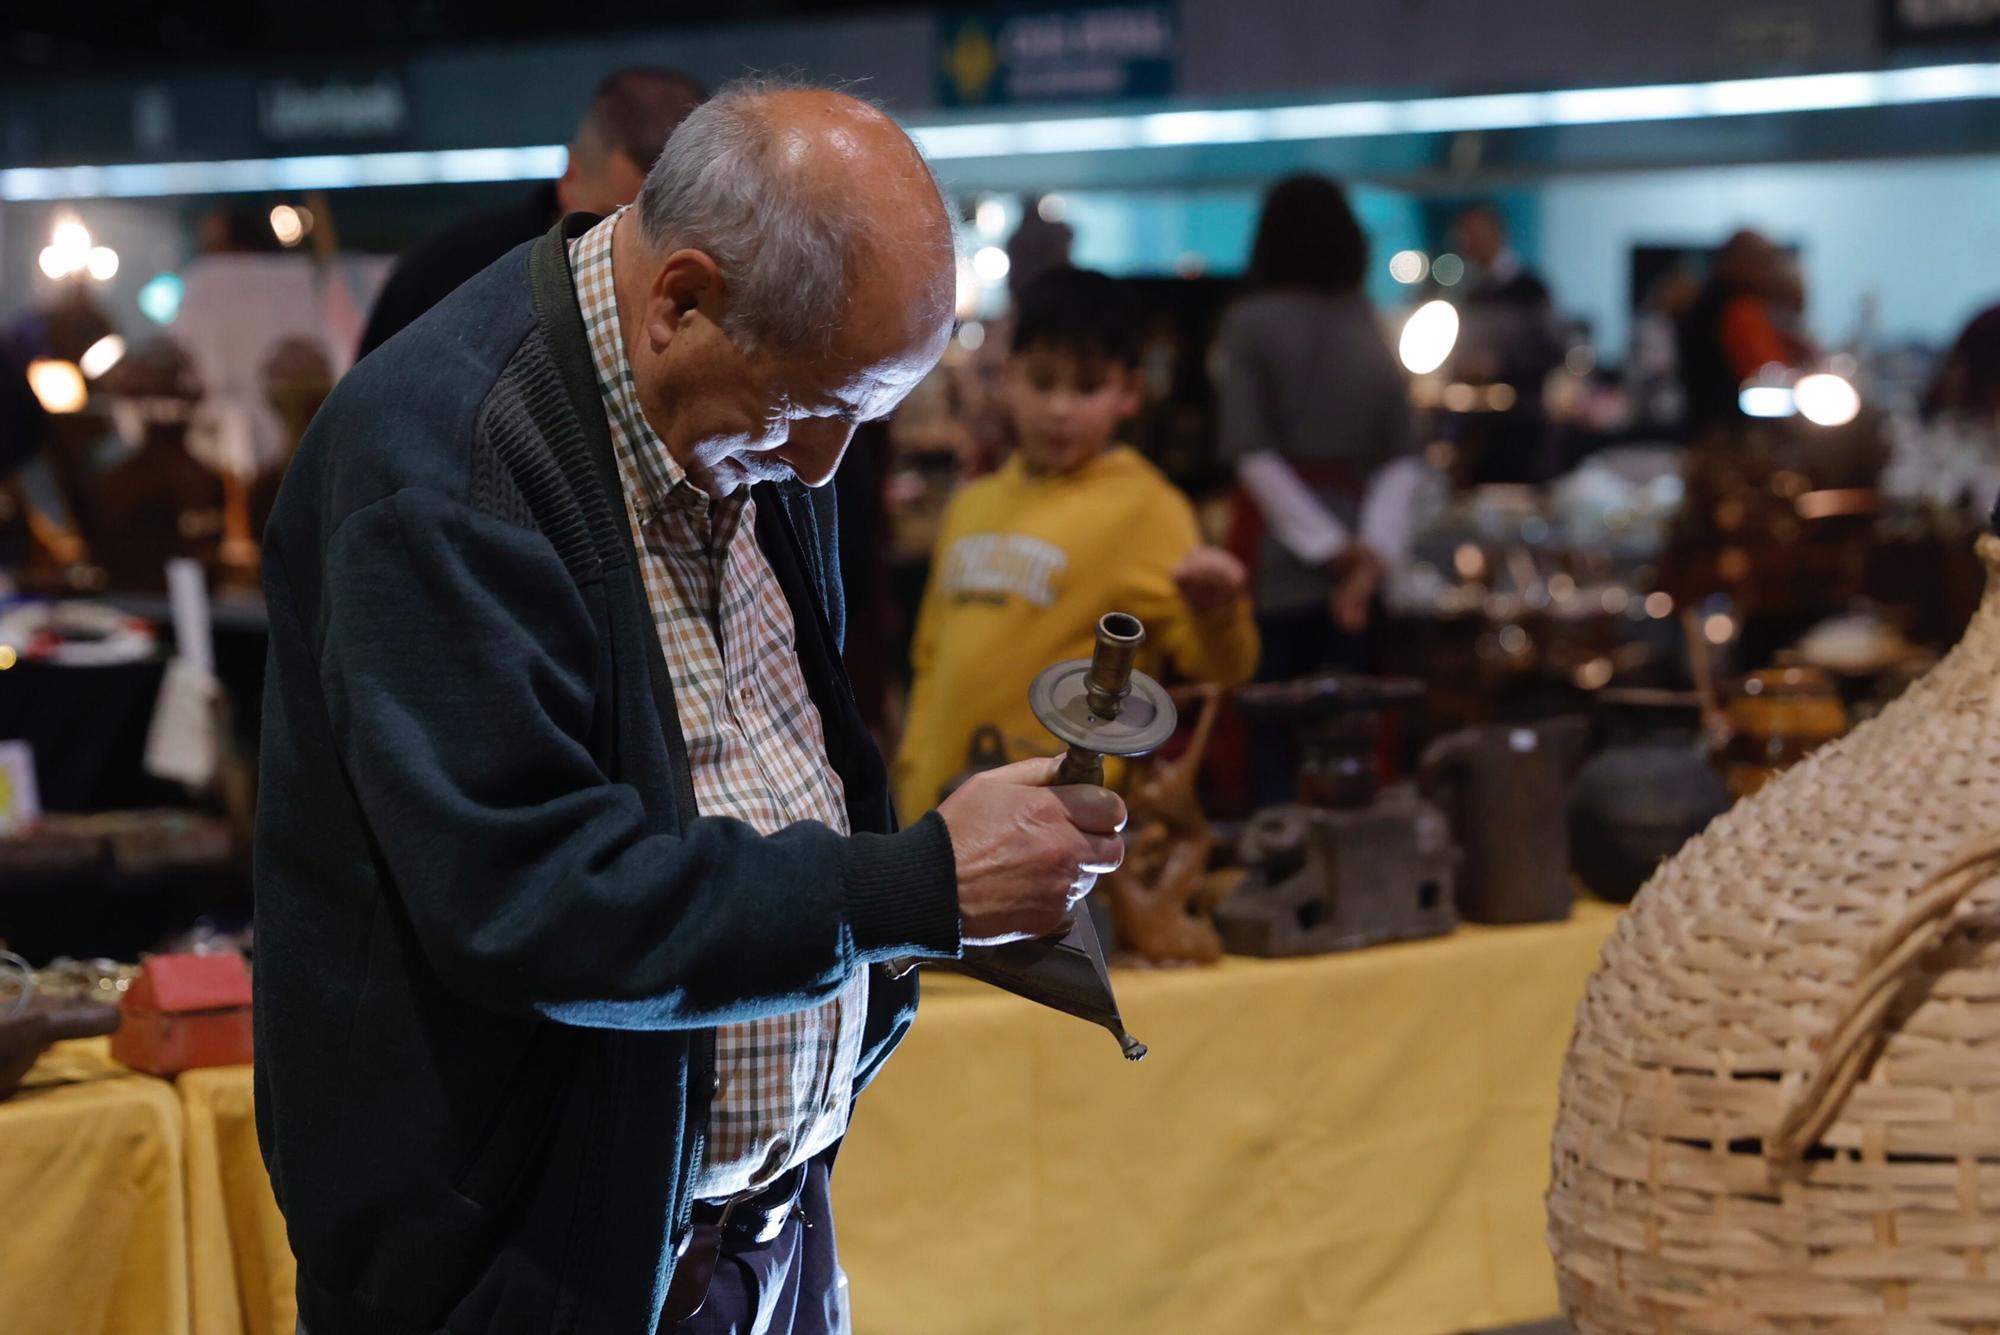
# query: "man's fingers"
1035,772
1102,854
1092,809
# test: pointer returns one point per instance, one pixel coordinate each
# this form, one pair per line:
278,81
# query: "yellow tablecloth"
93,1219
241,1271
1351,1144
1355,1143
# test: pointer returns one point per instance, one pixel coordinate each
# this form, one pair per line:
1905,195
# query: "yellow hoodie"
1024,567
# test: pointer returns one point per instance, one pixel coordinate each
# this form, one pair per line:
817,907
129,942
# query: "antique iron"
1351,863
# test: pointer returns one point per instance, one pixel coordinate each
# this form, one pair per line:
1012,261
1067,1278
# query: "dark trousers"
791,1285
1296,644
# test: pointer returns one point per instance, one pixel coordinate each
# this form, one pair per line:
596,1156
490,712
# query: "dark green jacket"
493,934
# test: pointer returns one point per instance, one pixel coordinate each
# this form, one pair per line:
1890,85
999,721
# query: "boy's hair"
1080,311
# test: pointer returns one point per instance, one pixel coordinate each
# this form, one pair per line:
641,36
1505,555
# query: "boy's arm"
1200,612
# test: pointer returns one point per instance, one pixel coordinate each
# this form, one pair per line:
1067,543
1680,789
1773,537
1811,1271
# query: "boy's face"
1066,407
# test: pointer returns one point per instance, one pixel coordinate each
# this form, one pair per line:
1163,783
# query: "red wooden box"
184,1011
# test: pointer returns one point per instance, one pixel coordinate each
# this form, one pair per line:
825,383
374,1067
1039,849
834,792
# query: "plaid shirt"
755,745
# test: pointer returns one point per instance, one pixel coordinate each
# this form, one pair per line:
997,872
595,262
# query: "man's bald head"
790,273
812,203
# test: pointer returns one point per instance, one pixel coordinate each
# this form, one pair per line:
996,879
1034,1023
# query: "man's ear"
687,287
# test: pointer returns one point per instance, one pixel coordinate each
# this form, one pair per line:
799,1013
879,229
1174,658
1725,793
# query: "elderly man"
576,874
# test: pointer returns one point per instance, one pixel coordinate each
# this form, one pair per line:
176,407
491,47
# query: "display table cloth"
1355,1143
91,1180
241,1270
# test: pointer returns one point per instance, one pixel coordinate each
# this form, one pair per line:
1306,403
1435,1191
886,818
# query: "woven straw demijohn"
1781,1107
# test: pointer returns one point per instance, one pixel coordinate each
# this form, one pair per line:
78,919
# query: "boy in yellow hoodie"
1072,526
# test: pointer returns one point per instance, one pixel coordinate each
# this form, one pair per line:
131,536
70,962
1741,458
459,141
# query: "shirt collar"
653,477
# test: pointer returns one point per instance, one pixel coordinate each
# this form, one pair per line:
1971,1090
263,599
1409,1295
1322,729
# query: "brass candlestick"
1101,706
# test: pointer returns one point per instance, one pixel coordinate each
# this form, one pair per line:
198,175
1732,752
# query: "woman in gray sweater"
1314,405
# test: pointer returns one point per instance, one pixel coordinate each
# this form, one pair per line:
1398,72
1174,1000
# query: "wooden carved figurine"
1163,897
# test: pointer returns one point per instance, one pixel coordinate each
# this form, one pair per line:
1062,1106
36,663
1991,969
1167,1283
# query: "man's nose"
814,448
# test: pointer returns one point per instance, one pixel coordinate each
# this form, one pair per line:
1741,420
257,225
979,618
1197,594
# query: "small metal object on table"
1101,706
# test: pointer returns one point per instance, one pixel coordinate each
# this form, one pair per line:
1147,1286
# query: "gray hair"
785,245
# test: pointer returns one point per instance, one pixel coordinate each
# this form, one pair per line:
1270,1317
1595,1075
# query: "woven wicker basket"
1781,1107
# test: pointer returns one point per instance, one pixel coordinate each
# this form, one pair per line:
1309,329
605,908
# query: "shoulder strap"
584,454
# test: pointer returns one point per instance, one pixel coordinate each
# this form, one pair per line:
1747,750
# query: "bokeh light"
287,226
101,356
990,264
160,298
1428,337
990,218
58,386
1825,399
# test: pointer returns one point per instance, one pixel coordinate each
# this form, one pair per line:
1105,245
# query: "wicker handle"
1845,1050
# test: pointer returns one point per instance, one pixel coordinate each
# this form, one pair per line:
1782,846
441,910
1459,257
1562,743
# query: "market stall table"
1354,1143
92,1174
241,1270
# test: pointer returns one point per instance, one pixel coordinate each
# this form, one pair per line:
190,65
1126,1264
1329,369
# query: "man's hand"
1028,852
1356,571
1210,579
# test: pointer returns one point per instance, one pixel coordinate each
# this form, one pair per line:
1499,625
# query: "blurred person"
1073,525
21,415
1968,380
1747,317
1037,247
570,829
1509,336
22,421
57,468
1313,406
1652,359
159,502
622,131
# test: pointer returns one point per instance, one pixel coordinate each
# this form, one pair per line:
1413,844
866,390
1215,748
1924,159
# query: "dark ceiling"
67,37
